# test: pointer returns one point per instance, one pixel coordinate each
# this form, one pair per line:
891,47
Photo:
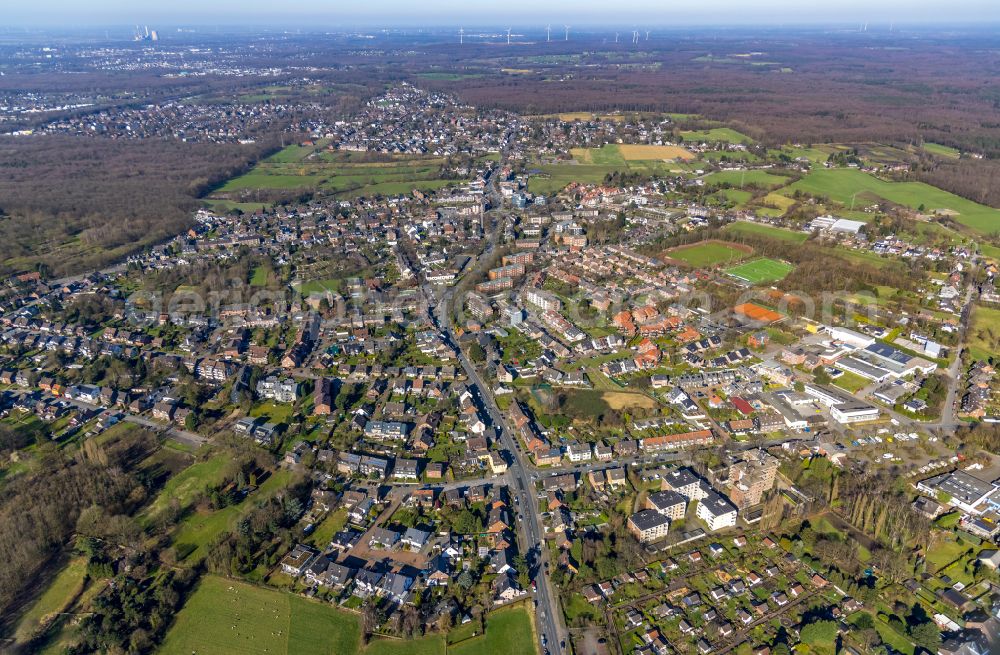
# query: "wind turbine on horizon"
508,36
548,33
461,36
567,32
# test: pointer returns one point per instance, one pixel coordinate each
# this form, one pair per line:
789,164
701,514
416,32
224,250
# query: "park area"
760,271
226,617
851,187
705,254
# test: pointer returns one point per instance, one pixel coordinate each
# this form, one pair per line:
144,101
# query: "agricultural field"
740,179
850,186
760,271
781,204
744,156
638,152
941,150
769,231
556,177
345,174
723,134
621,400
707,253
815,154
225,616
735,196
990,251
592,165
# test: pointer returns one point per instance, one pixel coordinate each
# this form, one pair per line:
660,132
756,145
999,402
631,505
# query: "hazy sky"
488,12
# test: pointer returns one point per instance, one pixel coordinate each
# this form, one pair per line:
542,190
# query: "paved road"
519,474
182,436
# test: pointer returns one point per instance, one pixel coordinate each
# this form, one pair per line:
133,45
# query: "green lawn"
942,151
736,196
984,332
320,286
851,382
761,270
273,412
893,638
426,645
990,251
259,277
844,184
716,134
815,154
768,231
184,486
944,552
200,529
291,154
226,616
508,632
740,179
330,526
706,254
345,174
60,593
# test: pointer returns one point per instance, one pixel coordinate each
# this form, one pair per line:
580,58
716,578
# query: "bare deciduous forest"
70,203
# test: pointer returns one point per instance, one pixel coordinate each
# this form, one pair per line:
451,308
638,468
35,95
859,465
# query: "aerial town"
430,376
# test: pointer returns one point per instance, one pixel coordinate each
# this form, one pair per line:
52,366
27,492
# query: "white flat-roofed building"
851,337
685,482
844,408
716,511
962,490
579,452
648,525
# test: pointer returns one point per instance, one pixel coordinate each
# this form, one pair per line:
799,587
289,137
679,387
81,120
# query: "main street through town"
552,632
